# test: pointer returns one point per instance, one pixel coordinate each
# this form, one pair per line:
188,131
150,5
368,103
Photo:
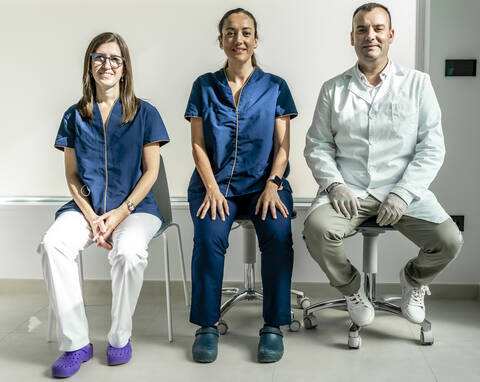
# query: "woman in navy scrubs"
111,142
240,126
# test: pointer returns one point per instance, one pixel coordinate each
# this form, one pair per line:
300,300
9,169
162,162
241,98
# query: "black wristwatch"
277,180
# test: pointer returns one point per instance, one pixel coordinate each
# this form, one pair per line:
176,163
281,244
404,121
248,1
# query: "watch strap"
130,205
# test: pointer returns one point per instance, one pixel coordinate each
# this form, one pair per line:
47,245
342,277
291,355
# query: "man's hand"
344,201
391,210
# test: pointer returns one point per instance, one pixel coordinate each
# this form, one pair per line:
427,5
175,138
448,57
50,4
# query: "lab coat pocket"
404,118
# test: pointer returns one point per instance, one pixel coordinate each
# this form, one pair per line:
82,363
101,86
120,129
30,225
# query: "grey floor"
390,349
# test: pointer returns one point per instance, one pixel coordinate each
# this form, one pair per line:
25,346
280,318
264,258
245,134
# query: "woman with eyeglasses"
111,142
240,125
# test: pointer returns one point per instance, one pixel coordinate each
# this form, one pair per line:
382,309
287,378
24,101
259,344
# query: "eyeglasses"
100,59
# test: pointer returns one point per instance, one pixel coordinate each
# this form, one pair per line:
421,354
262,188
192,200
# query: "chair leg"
167,287
182,263
82,275
50,323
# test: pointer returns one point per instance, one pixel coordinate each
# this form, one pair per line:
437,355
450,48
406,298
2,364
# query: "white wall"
455,30
50,87
22,227
171,43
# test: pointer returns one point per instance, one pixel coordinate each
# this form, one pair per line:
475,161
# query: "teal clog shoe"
205,347
270,347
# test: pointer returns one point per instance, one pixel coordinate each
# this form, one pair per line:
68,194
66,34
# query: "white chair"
162,197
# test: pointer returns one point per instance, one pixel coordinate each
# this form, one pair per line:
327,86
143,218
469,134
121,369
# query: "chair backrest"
162,195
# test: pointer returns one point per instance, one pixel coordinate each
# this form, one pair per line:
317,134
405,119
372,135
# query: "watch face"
278,181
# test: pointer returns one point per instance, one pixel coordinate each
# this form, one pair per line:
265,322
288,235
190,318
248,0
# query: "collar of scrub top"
115,117
221,76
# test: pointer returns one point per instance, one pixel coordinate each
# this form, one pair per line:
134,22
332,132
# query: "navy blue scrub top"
110,164
239,141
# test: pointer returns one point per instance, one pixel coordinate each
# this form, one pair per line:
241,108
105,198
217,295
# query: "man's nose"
371,34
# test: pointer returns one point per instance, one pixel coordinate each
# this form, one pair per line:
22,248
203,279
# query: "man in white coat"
374,147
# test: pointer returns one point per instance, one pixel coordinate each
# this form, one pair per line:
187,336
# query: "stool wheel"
222,327
354,342
303,302
426,337
310,321
354,339
294,326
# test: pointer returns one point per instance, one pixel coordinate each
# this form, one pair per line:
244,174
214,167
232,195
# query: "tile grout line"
422,352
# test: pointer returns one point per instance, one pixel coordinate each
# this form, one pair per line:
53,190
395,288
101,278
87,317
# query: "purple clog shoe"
117,356
69,363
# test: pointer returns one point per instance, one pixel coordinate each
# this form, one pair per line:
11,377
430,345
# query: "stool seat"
372,223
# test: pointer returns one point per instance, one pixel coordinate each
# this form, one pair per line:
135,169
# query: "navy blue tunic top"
239,139
110,162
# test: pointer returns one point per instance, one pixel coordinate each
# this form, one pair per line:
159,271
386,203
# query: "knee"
210,241
276,237
452,243
47,245
128,254
318,231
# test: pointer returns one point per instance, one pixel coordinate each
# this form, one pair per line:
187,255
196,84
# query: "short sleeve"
66,131
194,105
285,105
155,130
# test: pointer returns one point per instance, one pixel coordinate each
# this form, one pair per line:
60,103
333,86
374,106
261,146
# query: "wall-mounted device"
463,67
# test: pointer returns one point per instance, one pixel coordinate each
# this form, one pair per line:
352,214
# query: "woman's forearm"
204,167
200,157
75,186
150,165
281,146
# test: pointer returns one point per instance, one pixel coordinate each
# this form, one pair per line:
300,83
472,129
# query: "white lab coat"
392,144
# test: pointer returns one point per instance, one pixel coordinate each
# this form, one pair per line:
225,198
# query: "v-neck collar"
116,110
228,89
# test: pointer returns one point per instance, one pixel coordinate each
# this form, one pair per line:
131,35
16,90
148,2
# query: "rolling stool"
248,292
370,231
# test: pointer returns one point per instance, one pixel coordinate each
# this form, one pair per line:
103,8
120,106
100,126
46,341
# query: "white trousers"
61,245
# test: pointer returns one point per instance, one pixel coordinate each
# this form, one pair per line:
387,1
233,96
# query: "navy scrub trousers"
211,243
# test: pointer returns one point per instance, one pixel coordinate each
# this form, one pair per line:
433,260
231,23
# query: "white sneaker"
360,308
413,307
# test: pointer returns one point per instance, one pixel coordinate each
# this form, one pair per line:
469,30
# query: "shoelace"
418,295
356,299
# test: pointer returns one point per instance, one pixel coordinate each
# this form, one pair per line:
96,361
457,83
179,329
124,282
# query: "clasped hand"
104,225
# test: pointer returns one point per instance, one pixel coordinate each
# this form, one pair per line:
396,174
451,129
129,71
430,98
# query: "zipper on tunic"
106,163
236,126
106,168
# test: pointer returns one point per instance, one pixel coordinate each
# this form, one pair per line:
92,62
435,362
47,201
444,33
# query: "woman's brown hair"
130,102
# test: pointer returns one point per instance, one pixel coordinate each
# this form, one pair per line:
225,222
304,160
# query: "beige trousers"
325,230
